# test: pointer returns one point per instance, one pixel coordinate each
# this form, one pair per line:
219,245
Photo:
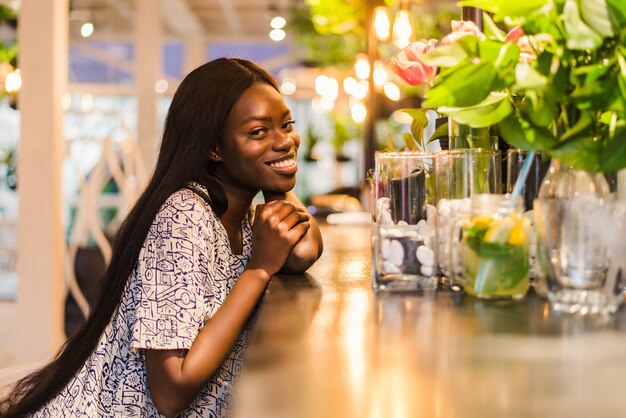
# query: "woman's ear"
215,155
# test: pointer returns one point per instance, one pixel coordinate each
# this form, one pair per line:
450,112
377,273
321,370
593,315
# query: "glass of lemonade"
490,248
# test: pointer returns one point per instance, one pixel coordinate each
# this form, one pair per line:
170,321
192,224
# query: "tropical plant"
555,82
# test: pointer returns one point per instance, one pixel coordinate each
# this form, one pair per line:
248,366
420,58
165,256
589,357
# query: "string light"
288,86
392,91
382,25
278,22
380,74
277,35
402,29
362,67
86,30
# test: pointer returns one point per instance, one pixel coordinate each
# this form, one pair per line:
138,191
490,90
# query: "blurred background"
85,86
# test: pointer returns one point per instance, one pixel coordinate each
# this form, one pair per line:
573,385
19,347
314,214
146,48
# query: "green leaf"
618,10
582,128
519,133
581,153
511,8
596,14
440,132
464,85
613,155
445,56
594,95
541,109
417,129
492,31
418,114
486,113
409,141
526,77
579,35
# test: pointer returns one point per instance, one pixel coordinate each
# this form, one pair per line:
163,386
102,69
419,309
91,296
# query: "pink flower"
461,28
515,34
518,37
408,65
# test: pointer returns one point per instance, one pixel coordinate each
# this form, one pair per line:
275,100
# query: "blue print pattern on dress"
184,272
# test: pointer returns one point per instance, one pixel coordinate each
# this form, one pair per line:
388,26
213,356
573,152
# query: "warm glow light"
402,29
402,117
13,82
327,104
86,30
362,67
288,86
361,90
332,89
380,74
86,102
278,22
349,85
327,87
320,82
382,25
392,91
161,86
358,112
277,35
66,101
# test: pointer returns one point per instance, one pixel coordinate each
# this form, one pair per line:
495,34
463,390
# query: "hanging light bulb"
382,25
402,29
278,22
86,30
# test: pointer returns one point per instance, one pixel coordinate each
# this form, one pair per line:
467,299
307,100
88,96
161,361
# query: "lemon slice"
499,231
482,221
519,232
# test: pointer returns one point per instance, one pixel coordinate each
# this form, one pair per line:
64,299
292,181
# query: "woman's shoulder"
189,202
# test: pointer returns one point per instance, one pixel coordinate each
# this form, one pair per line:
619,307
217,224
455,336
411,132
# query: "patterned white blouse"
184,272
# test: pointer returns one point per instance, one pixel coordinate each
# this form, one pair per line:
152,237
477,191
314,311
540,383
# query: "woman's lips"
284,165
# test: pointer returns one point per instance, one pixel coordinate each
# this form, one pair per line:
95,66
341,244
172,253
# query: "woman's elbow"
299,262
168,406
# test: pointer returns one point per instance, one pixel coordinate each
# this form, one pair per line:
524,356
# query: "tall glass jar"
572,254
490,248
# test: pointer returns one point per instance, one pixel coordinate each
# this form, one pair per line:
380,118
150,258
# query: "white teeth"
284,163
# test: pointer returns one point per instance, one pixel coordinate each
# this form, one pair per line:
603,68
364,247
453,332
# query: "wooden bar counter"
327,345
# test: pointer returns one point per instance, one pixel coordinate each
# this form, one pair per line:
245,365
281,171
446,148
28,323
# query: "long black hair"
193,127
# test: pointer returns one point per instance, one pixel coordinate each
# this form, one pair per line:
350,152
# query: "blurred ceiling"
223,19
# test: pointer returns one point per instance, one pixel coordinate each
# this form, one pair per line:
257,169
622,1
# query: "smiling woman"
190,262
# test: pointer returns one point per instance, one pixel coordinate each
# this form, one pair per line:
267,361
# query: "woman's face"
259,145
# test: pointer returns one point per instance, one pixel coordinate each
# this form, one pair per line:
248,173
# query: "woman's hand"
309,248
278,226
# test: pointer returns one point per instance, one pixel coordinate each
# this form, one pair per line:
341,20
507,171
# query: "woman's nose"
283,141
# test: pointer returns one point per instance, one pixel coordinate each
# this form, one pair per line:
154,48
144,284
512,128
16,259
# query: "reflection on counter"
327,345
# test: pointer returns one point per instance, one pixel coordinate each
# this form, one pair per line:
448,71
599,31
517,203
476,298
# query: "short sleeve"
171,276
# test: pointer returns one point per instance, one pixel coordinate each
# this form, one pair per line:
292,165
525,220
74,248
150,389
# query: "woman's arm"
175,380
310,247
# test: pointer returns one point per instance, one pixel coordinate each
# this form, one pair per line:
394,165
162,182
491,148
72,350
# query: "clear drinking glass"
405,222
460,174
573,223
491,247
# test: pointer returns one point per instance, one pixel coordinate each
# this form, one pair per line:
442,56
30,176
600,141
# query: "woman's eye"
257,132
289,125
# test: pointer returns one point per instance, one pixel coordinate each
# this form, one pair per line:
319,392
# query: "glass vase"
572,252
490,248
